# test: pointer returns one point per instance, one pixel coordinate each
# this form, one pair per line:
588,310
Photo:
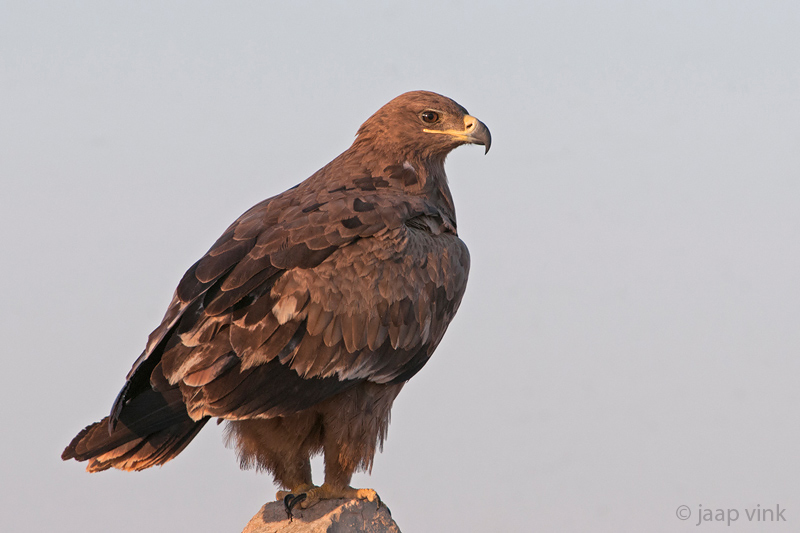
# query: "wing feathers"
220,259
292,304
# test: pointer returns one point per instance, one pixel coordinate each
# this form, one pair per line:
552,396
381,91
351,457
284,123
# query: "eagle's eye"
429,117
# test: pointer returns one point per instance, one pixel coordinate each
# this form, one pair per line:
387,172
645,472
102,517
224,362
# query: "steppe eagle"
303,321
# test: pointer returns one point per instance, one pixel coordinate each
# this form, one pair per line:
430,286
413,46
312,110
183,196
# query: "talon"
289,502
297,499
287,505
294,496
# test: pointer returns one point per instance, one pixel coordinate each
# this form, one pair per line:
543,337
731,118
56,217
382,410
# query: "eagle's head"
424,124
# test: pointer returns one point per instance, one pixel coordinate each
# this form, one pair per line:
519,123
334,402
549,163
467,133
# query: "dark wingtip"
68,453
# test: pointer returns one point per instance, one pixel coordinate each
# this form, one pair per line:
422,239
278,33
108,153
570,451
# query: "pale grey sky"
629,339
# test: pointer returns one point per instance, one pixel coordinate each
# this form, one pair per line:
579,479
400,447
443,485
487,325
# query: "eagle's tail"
153,428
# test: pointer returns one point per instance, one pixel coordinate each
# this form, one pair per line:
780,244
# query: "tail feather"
153,428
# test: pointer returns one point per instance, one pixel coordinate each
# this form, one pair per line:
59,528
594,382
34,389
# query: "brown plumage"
303,321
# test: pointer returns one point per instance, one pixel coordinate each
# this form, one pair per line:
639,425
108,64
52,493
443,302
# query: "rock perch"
327,516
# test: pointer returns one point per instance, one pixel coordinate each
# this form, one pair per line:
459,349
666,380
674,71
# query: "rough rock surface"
327,516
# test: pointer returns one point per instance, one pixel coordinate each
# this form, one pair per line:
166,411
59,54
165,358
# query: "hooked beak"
477,132
474,132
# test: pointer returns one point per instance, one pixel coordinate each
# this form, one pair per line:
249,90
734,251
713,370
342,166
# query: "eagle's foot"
293,497
329,492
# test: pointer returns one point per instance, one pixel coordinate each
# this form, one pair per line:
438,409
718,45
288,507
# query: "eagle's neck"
437,189
420,176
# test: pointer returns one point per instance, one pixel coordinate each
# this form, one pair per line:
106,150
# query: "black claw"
286,505
297,499
290,500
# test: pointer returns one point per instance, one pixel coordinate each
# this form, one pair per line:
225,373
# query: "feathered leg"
282,445
354,425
